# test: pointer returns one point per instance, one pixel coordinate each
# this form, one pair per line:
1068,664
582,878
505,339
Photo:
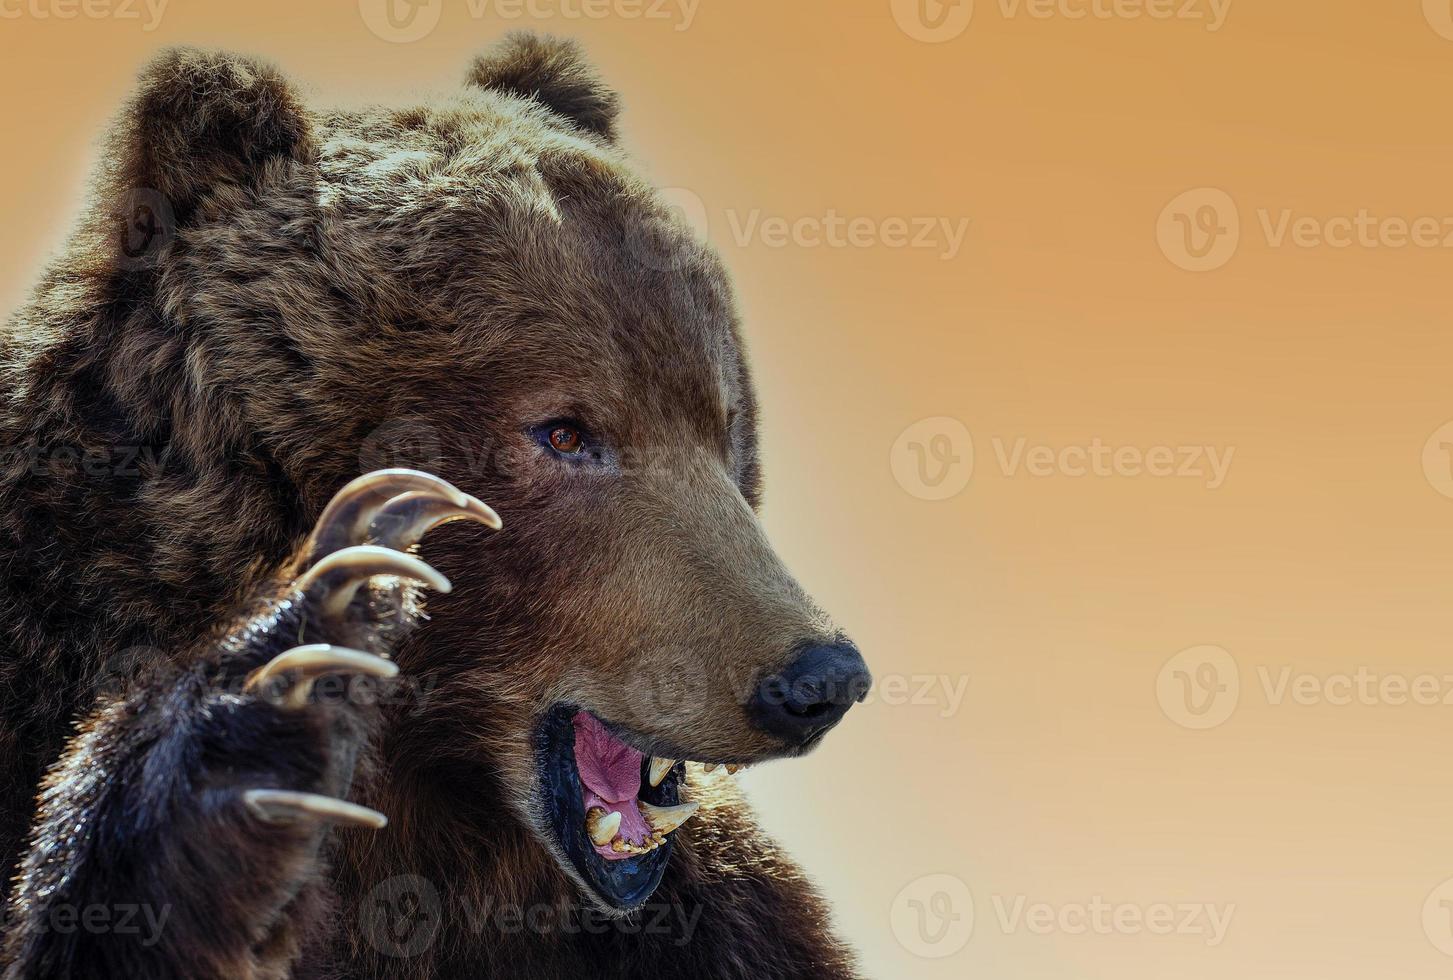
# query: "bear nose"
812,694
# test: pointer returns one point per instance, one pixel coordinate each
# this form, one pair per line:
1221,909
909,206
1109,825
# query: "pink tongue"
611,772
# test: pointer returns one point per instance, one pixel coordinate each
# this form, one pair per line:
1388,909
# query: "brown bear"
264,301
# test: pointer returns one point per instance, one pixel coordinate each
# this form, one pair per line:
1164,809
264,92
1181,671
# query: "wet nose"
812,694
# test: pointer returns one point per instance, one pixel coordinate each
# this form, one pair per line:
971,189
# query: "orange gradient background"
1060,776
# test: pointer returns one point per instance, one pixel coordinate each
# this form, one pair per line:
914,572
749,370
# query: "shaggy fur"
263,301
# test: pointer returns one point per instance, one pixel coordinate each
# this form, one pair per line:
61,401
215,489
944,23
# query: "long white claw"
349,513
343,572
403,521
285,806
659,770
602,826
665,819
313,661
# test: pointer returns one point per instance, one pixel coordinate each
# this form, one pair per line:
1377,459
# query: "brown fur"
342,290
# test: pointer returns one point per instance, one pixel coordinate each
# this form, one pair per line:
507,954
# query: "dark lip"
621,885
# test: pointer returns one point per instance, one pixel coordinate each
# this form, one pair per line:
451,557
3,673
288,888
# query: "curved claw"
403,521
286,806
313,661
340,574
348,514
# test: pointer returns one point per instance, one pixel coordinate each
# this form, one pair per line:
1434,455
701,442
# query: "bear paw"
349,595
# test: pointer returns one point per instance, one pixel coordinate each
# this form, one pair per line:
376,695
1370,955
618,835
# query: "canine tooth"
664,819
659,770
602,826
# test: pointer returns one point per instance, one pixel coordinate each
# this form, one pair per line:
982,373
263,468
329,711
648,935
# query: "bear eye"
566,439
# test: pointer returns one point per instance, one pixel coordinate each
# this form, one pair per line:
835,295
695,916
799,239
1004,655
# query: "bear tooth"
732,770
664,819
708,767
659,769
602,826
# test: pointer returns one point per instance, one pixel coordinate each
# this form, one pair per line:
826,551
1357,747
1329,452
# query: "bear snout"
800,703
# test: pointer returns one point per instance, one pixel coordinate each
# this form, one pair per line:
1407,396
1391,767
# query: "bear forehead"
469,132
508,222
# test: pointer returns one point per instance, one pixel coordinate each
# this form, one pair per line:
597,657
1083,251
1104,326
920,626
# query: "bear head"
483,287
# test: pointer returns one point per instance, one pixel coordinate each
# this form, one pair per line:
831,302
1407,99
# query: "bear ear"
201,119
554,72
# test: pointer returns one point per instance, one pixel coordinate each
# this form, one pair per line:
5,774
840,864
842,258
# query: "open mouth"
612,808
